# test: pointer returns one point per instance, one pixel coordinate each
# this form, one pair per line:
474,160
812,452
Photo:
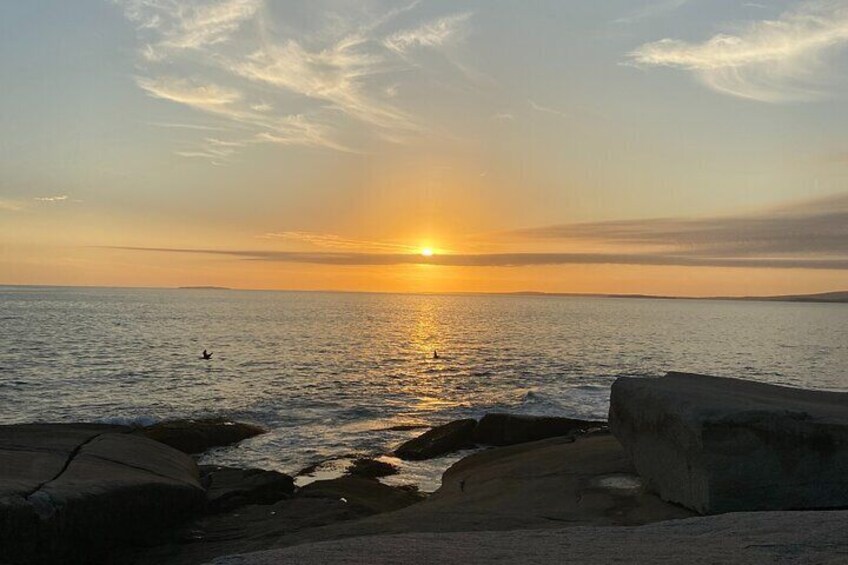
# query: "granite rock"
718,444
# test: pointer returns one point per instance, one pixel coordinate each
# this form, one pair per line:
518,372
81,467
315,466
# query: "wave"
132,421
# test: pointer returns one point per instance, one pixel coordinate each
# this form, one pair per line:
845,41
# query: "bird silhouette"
206,355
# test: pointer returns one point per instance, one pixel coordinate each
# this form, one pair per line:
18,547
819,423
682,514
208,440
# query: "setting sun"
427,252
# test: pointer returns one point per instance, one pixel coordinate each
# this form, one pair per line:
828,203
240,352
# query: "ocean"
329,373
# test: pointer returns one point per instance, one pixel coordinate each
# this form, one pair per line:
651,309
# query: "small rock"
439,441
228,488
403,428
196,436
371,468
510,429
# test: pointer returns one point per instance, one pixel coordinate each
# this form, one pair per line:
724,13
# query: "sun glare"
427,252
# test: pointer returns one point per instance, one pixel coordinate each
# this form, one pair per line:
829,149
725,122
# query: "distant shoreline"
835,297
838,297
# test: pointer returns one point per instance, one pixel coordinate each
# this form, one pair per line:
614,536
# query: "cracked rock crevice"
71,456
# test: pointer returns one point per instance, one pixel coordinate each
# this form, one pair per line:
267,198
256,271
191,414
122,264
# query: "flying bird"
206,355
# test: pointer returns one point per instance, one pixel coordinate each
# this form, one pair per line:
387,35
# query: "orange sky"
552,146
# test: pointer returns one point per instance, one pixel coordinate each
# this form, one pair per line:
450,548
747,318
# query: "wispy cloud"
333,241
334,74
231,104
207,97
244,71
431,34
17,205
57,198
771,61
188,25
548,110
177,125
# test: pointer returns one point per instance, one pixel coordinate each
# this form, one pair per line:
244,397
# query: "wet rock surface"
493,429
196,436
367,468
439,441
510,429
228,488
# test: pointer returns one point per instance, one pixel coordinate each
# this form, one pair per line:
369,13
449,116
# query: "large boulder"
439,441
71,493
228,488
196,436
720,445
510,429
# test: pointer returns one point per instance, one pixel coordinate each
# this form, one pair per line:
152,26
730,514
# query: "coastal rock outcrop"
493,429
70,493
228,488
368,468
717,444
510,429
196,436
440,440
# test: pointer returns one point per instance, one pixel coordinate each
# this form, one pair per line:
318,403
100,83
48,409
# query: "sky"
679,147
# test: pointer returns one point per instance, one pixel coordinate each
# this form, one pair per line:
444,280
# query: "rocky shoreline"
92,493
108,493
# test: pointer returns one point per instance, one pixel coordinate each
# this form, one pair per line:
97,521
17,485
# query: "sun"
427,252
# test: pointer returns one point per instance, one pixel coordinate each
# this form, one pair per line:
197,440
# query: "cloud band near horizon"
506,259
812,234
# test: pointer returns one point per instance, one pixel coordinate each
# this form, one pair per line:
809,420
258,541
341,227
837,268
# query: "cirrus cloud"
282,84
778,60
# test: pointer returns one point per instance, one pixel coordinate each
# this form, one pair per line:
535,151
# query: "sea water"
329,374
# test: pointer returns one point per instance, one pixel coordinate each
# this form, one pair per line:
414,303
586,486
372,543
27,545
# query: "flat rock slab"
759,538
249,528
254,527
722,445
553,483
550,484
70,493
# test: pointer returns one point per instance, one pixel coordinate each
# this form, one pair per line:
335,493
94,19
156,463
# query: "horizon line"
528,293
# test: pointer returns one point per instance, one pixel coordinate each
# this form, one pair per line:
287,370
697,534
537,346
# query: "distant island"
823,297
841,296
203,288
